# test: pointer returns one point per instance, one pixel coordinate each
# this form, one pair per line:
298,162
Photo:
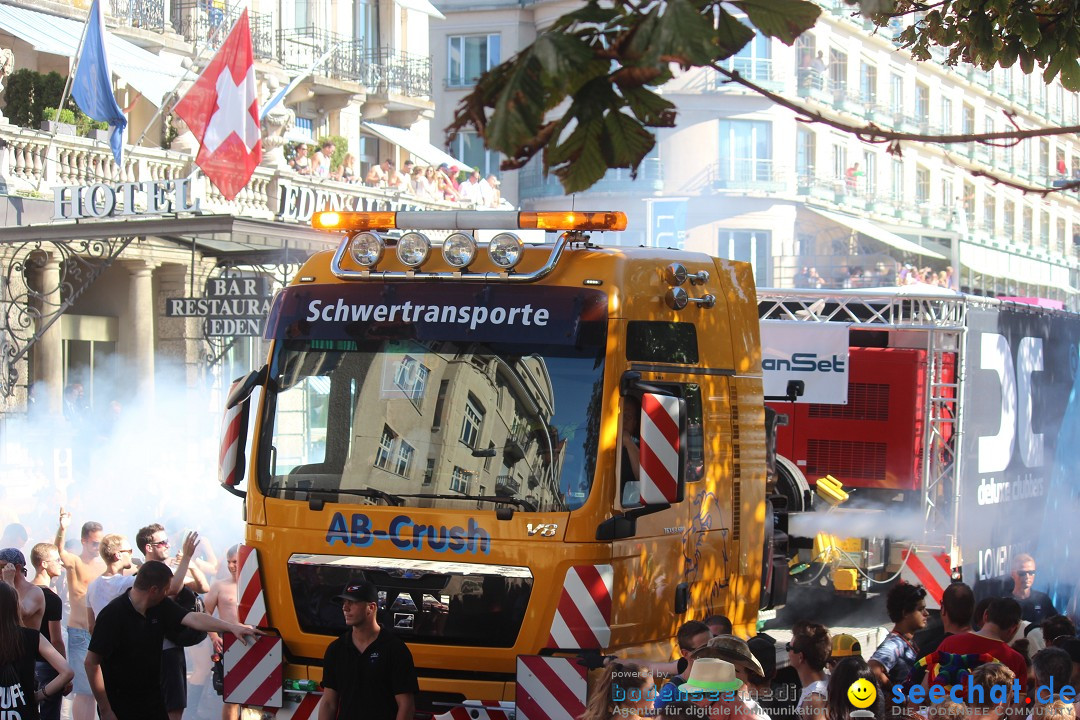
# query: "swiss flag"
222,110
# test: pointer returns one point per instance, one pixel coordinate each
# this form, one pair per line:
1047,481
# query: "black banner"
1021,367
439,311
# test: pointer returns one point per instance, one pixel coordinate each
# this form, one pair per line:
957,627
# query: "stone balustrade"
32,162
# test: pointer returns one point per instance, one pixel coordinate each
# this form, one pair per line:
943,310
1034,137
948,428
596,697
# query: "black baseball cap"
359,592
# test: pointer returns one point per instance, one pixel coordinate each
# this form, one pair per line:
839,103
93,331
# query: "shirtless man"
46,561
82,569
222,597
31,598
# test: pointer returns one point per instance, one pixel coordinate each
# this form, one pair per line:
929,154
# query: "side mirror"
663,449
232,457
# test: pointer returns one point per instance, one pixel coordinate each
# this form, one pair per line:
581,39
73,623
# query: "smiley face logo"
862,693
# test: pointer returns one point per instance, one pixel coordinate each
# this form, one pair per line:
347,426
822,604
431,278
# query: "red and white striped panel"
306,709
931,570
253,673
549,688
231,425
250,598
583,617
479,710
659,456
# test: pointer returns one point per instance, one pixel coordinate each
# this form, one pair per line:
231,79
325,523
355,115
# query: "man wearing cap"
31,598
368,672
844,645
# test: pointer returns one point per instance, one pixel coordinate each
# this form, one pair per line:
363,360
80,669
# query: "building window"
412,376
922,185
745,151
947,198
752,246
1061,236
869,83
1028,222
896,94
922,103
754,60
839,162
837,70
440,405
1044,230
870,167
805,152
470,56
386,448
459,481
946,114
366,24
1044,157
404,459
491,455
989,213
429,471
967,126
1009,220
472,422
469,148
898,181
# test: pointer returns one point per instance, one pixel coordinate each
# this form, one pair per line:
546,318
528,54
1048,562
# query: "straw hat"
734,650
711,675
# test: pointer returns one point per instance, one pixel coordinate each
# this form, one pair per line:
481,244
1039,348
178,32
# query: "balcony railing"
380,70
747,174
650,179
762,71
142,14
206,23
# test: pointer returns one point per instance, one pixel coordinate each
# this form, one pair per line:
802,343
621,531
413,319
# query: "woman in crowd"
846,673
347,172
624,690
20,649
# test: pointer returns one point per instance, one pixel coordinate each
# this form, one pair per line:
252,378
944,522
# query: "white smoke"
896,524
126,461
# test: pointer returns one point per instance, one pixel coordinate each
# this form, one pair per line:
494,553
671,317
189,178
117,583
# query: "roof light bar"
349,221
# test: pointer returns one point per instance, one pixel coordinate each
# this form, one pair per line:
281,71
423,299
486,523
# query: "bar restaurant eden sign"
230,306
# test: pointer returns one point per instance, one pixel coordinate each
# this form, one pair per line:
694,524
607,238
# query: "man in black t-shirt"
368,672
123,663
1035,606
46,561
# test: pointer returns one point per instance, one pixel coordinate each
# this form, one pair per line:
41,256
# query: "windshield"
426,410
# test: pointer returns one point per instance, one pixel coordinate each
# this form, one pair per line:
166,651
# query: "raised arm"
67,558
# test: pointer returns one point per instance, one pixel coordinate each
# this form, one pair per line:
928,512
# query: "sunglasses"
159,543
1025,572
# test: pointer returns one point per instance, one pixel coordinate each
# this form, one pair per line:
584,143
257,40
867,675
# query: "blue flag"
92,88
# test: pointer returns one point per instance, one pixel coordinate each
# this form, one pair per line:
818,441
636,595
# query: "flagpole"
64,95
183,78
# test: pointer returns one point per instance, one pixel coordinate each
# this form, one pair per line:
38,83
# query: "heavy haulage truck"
540,454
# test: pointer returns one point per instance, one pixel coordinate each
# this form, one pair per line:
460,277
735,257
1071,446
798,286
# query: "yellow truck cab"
533,450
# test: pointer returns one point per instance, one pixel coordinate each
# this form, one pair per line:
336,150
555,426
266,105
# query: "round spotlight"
413,249
506,250
367,249
459,250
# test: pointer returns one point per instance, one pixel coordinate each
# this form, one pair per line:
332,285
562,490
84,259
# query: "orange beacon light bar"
349,221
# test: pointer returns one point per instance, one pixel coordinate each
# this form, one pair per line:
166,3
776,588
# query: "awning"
153,76
868,228
420,150
422,6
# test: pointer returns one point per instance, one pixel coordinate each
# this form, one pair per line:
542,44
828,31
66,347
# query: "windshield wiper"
388,498
523,504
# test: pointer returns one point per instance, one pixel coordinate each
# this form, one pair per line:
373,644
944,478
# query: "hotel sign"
297,203
124,199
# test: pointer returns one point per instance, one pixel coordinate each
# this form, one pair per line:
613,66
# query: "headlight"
506,250
413,249
367,249
459,250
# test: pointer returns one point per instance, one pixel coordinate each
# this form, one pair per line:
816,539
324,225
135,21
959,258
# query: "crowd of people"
1010,655
442,183
116,628
880,275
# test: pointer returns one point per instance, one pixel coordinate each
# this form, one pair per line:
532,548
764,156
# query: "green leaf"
782,19
580,158
592,14
519,105
561,57
731,35
625,141
677,32
1029,29
1070,75
651,109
